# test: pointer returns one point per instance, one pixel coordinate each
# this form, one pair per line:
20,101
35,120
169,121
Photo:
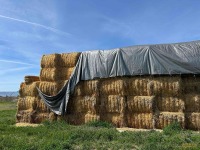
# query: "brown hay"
144,104
55,74
171,104
113,103
30,79
41,106
29,90
165,86
41,117
84,104
69,59
192,121
27,102
91,117
137,86
192,103
76,118
113,86
90,87
50,61
166,118
52,116
51,88
140,120
25,116
118,120
191,85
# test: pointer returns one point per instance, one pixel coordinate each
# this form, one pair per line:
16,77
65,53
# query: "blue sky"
29,29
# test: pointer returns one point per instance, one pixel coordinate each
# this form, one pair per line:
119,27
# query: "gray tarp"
161,59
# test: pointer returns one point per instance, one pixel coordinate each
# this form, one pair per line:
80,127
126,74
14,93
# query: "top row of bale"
60,60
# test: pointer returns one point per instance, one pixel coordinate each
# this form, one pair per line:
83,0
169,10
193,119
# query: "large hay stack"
138,102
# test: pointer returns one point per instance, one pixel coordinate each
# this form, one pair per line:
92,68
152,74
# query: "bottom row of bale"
114,109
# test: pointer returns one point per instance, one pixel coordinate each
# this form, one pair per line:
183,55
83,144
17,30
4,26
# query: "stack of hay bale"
56,69
192,102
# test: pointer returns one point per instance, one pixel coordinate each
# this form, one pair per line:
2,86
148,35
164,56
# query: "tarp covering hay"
147,86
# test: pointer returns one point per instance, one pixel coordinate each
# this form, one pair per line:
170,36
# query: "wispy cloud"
16,62
5,71
37,24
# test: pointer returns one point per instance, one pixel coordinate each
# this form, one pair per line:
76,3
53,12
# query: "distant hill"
4,94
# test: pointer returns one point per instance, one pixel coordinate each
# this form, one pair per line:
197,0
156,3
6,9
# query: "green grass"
94,135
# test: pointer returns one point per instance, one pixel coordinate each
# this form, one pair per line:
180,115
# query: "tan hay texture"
90,87
165,86
170,104
41,117
84,104
29,90
113,103
191,85
69,59
30,79
192,121
140,120
166,118
25,116
113,86
116,119
51,88
41,106
91,117
55,74
192,103
26,103
137,86
50,61
143,104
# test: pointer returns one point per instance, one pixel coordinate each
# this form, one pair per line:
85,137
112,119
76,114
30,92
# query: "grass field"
95,135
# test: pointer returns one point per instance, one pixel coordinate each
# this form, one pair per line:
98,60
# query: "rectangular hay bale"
50,61
192,103
27,102
143,104
29,90
192,121
69,59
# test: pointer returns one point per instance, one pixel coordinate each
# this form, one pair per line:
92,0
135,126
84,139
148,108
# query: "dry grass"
50,61
143,104
191,85
69,59
29,90
118,120
91,117
30,79
26,103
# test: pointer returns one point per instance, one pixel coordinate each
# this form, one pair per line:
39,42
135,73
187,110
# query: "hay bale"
41,117
50,61
41,106
137,86
30,79
113,103
171,104
140,120
29,90
192,103
118,120
191,85
51,88
164,119
165,86
69,59
75,118
143,104
55,74
91,117
192,121
113,86
89,87
26,103
52,116
84,104
25,116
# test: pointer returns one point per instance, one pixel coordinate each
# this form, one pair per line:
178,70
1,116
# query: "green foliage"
99,124
95,135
